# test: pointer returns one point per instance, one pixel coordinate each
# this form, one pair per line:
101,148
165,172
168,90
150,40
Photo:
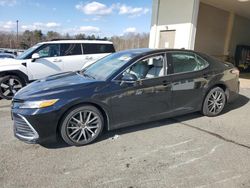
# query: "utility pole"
17,32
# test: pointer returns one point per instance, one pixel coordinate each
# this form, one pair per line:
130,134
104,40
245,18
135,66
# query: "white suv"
49,58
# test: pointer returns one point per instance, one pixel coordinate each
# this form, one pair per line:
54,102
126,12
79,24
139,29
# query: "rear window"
187,62
71,49
98,48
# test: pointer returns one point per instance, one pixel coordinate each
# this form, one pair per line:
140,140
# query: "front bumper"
23,130
35,125
234,93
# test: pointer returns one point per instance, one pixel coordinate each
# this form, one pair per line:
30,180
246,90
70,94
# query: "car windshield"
105,67
27,52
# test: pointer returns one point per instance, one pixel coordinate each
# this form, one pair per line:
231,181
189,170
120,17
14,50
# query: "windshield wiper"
87,75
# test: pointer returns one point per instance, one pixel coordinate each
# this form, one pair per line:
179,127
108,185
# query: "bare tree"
29,38
131,40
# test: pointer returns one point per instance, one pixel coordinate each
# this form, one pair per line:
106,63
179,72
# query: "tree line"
29,38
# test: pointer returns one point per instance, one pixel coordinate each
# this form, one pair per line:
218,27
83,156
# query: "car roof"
148,51
77,41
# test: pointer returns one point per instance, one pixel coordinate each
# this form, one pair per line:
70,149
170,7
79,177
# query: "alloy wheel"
10,86
216,102
83,126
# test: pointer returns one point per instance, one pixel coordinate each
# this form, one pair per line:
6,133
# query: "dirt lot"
187,151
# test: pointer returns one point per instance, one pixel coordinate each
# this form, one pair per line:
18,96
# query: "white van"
48,58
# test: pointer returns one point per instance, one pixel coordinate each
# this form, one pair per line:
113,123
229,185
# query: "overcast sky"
101,17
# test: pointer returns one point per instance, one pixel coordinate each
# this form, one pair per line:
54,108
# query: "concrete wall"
211,30
178,15
175,12
217,32
240,33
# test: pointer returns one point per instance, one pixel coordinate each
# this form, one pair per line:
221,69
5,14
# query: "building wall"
177,15
240,33
211,30
217,32
175,12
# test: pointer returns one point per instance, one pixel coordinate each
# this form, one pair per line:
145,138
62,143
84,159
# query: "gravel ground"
186,151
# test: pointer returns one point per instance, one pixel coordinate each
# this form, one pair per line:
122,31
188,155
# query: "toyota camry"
122,89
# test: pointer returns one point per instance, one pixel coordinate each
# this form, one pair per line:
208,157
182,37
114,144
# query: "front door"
147,98
49,62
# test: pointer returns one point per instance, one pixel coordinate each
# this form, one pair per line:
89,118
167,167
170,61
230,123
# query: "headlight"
38,104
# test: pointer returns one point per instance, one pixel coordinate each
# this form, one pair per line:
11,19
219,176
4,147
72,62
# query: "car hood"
54,84
9,61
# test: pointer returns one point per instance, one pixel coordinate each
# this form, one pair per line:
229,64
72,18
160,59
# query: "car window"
187,62
105,67
71,49
97,48
28,53
147,68
50,50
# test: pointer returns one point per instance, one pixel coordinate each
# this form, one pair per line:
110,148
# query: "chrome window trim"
36,136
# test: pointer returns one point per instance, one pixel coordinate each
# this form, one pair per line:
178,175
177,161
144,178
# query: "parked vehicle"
49,58
7,55
122,89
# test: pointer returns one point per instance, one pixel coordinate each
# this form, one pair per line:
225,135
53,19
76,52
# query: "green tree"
27,38
92,37
53,35
38,35
67,36
23,45
80,36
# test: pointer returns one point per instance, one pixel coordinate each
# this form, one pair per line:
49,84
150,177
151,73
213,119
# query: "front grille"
23,129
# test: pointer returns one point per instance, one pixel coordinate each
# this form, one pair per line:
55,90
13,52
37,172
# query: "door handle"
206,75
89,58
57,60
166,83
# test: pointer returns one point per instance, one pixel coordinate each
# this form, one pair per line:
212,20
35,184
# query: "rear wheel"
9,85
82,125
214,102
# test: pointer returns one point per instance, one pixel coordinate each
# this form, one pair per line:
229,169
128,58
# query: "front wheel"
214,102
9,85
82,125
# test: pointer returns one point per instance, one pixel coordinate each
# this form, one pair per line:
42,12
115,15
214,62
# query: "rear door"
72,56
95,51
189,76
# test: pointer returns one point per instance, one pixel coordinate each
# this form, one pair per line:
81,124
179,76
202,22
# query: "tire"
76,131
9,85
214,102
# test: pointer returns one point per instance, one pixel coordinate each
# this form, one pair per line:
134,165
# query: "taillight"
235,71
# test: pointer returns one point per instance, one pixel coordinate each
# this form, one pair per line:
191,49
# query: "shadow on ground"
240,102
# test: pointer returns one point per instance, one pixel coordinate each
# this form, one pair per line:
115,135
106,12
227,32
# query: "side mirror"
35,56
130,78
